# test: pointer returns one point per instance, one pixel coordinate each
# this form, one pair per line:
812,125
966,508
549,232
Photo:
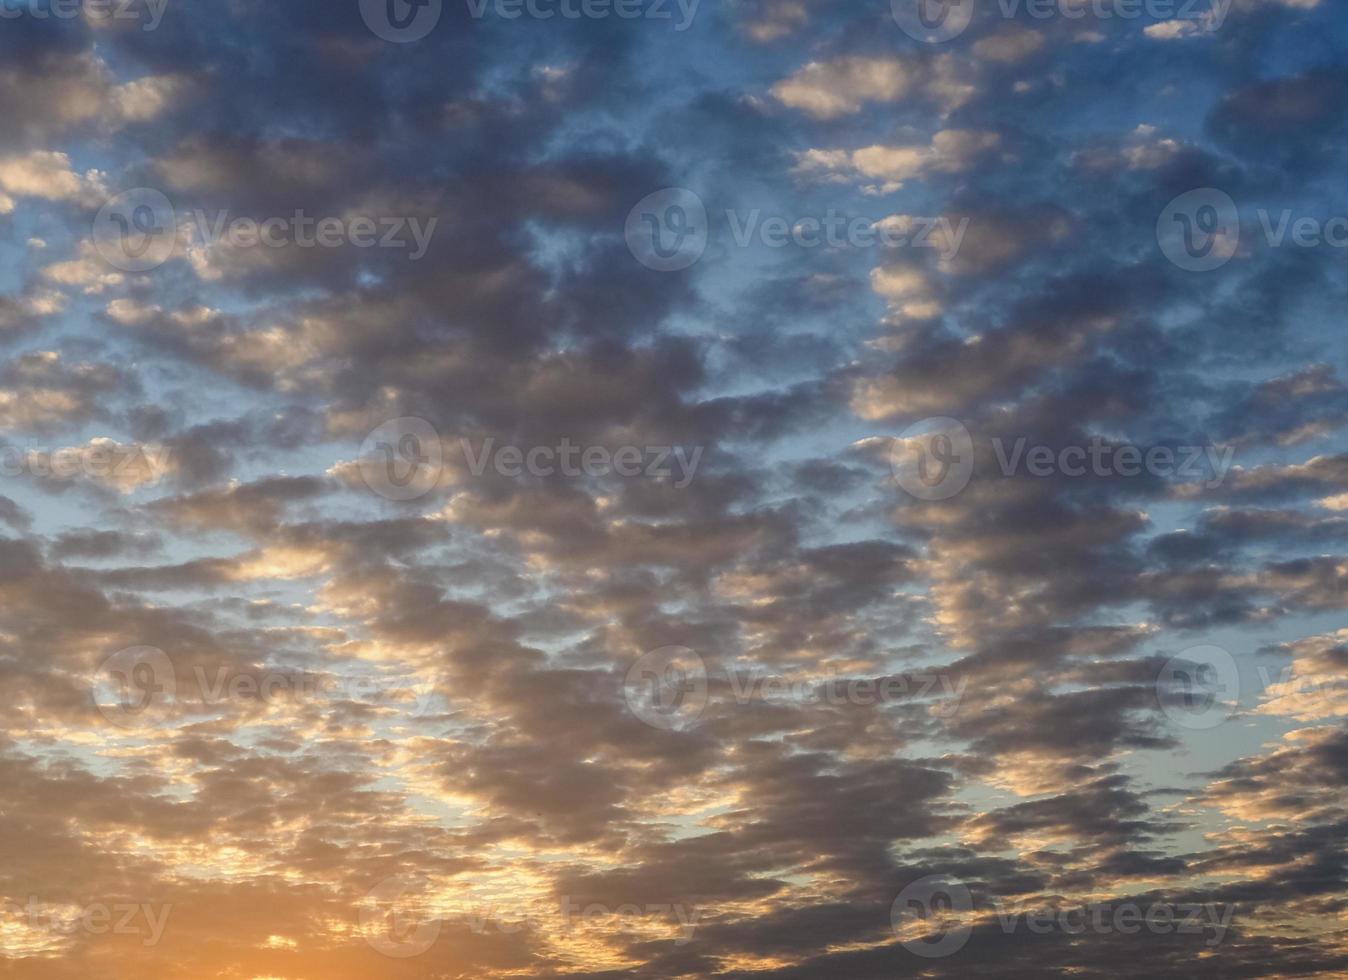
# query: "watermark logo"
384,920
667,230
667,688
1127,918
1199,231
836,230
933,459
933,21
139,686
1199,688
137,230
301,230
94,11
588,10
402,459
938,21
394,922
840,691
573,460
102,460
936,907
932,918
577,916
574,916
134,687
1306,231
1208,465
405,21
53,918
413,696
401,21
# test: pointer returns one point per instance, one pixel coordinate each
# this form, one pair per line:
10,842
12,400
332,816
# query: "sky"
643,489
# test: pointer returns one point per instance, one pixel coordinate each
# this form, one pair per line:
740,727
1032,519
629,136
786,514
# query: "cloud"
46,175
826,90
950,151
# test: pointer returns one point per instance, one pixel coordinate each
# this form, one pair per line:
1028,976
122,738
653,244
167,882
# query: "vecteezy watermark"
1208,464
1200,230
574,916
624,917
135,687
398,918
933,21
747,687
395,918
403,459
97,12
225,684
669,689
937,21
836,230
934,916
1199,688
40,917
401,21
1306,232
570,459
934,460
404,21
139,230
300,230
140,686
681,12
929,916
1211,920
668,230
102,460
